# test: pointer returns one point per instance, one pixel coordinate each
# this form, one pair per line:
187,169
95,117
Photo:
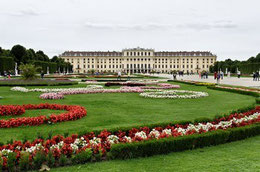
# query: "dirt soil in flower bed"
35,82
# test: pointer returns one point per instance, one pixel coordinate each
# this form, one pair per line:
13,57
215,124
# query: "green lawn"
128,109
122,109
236,156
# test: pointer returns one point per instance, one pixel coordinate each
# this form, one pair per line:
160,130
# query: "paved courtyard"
244,81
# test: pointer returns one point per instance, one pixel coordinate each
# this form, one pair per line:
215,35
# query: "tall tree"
54,59
41,56
31,54
18,52
1,51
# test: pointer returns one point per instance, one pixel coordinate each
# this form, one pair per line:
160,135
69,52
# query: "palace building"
139,60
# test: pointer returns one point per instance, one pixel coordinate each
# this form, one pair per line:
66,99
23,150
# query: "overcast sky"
228,28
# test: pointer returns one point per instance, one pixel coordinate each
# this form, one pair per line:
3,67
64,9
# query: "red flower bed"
74,113
11,110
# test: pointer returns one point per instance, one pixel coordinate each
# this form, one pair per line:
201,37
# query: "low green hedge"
179,81
254,94
257,100
171,144
37,82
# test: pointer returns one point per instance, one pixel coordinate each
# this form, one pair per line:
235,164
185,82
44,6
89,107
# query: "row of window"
138,53
142,66
138,59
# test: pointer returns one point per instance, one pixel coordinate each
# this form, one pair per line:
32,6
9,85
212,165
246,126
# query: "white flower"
141,134
173,94
168,132
95,141
154,133
112,139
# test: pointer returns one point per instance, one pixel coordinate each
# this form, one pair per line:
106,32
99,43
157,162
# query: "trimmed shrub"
82,157
24,163
50,159
63,160
257,100
36,82
11,161
244,132
6,64
39,159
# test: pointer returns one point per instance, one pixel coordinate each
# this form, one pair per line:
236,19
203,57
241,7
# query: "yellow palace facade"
139,60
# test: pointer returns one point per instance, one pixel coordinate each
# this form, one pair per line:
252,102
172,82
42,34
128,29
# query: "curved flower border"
172,94
102,142
74,112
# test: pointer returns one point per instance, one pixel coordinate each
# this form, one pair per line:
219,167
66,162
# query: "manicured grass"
107,111
236,156
35,82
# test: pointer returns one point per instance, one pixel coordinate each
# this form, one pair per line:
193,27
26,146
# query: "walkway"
244,81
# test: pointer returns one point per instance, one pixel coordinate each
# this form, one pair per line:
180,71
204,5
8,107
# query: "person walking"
257,76
238,74
42,74
254,76
218,78
215,75
128,76
119,75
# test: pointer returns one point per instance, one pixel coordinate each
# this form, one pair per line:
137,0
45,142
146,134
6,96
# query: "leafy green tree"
31,55
18,52
54,59
41,56
1,51
28,71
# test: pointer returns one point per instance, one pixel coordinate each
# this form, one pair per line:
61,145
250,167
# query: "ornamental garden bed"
74,113
123,144
36,82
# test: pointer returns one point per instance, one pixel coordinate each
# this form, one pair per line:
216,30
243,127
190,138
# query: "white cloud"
24,13
144,26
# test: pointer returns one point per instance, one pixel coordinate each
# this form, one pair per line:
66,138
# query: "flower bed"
194,82
61,94
74,113
47,90
124,89
174,94
130,84
158,87
123,144
240,89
